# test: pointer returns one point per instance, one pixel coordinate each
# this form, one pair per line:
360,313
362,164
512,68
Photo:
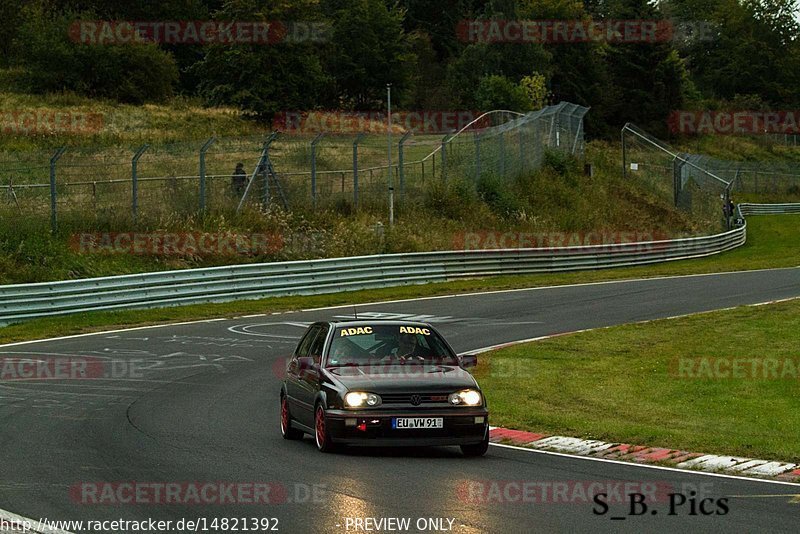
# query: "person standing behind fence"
728,210
239,180
732,212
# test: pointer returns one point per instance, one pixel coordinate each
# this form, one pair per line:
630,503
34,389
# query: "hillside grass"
433,214
557,199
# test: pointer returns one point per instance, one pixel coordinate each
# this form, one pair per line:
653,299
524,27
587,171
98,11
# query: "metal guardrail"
768,209
220,284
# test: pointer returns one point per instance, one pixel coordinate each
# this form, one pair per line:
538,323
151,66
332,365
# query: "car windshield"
388,345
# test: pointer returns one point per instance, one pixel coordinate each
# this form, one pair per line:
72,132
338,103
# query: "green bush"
499,92
453,199
50,62
498,194
560,162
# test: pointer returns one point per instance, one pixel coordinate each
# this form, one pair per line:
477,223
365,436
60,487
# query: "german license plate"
417,422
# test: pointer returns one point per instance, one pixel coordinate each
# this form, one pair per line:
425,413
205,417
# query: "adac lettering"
355,331
415,330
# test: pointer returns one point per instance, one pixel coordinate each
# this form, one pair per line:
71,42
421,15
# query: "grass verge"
773,241
626,384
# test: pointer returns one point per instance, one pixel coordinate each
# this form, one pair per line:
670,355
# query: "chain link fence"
353,172
300,172
679,178
753,177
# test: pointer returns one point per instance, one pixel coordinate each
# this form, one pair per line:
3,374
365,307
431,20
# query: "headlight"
355,399
467,397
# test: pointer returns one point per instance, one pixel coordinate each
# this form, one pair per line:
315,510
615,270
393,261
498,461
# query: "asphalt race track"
204,407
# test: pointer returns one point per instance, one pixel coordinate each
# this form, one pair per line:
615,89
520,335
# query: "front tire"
286,422
322,435
478,449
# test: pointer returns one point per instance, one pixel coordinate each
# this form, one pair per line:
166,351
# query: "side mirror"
469,361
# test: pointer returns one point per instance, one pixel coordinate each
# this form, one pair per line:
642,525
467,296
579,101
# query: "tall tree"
263,79
649,77
369,49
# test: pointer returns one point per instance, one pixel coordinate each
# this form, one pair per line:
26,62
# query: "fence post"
358,139
445,139
53,159
267,166
400,170
677,179
477,156
314,144
579,129
135,181
262,163
727,198
624,155
203,151
502,141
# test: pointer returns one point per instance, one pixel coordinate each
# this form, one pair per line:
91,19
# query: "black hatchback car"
382,383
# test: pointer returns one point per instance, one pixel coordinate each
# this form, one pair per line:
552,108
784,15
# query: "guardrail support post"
203,151
314,144
358,139
400,169
53,159
135,181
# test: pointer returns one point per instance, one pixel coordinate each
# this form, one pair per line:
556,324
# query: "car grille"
415,399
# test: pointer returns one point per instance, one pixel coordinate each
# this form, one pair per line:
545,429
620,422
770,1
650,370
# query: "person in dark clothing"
729,211
239,180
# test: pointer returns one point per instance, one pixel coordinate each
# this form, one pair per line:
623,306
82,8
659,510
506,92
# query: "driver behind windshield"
407,349
383,344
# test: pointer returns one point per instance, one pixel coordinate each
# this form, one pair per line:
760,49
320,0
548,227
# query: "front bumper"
462,426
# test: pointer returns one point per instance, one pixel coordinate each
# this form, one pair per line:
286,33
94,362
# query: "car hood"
402,378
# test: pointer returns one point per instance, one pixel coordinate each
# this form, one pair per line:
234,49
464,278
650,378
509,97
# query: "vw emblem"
416,400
